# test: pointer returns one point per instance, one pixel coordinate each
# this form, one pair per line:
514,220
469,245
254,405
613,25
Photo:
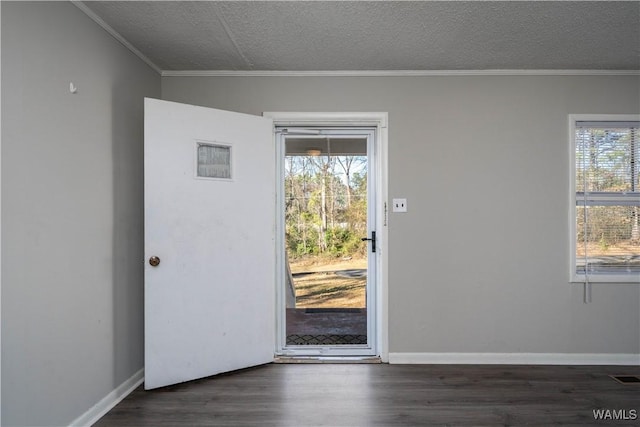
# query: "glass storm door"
328,246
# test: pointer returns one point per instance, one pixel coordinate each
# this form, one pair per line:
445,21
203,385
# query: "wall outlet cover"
399,205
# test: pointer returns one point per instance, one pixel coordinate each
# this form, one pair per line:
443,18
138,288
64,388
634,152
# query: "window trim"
574,277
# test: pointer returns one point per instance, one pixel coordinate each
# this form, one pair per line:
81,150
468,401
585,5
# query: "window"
213,161
606,198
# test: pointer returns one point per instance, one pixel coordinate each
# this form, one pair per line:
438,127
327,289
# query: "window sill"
631,279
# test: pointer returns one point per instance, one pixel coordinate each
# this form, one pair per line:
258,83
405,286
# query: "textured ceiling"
379,35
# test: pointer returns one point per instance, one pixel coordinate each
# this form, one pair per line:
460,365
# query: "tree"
325,212
347,163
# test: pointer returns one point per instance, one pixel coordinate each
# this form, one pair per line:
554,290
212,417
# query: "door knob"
154,261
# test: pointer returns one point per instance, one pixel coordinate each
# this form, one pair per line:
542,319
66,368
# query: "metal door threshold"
328,359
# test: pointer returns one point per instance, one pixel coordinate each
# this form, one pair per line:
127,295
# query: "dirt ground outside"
599,250
329,282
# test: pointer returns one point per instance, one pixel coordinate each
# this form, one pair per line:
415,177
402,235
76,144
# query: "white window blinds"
607,200
214,161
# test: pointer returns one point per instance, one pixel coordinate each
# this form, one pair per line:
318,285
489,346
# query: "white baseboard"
627,359
109,401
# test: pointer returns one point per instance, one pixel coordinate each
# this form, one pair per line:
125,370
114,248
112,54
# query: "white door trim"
377,120
0,229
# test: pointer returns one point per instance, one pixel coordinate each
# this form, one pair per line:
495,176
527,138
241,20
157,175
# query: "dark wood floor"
387,395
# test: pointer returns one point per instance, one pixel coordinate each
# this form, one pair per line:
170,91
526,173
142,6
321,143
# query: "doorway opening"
328,241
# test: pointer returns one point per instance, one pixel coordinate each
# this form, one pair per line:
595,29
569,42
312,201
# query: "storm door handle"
372,240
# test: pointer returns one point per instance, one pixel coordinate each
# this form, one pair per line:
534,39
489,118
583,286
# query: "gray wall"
72,213
480,262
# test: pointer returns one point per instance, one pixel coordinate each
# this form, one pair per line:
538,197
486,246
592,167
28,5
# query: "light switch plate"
399,205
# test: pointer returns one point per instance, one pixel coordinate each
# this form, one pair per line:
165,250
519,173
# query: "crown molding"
395,73
116,35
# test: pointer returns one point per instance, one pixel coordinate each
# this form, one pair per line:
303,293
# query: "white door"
209,221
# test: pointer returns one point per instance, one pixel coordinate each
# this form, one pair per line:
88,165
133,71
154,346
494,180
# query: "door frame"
378,121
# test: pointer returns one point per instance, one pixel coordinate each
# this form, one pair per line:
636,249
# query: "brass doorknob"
154,261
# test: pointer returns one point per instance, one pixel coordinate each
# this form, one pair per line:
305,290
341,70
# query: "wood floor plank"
387,395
